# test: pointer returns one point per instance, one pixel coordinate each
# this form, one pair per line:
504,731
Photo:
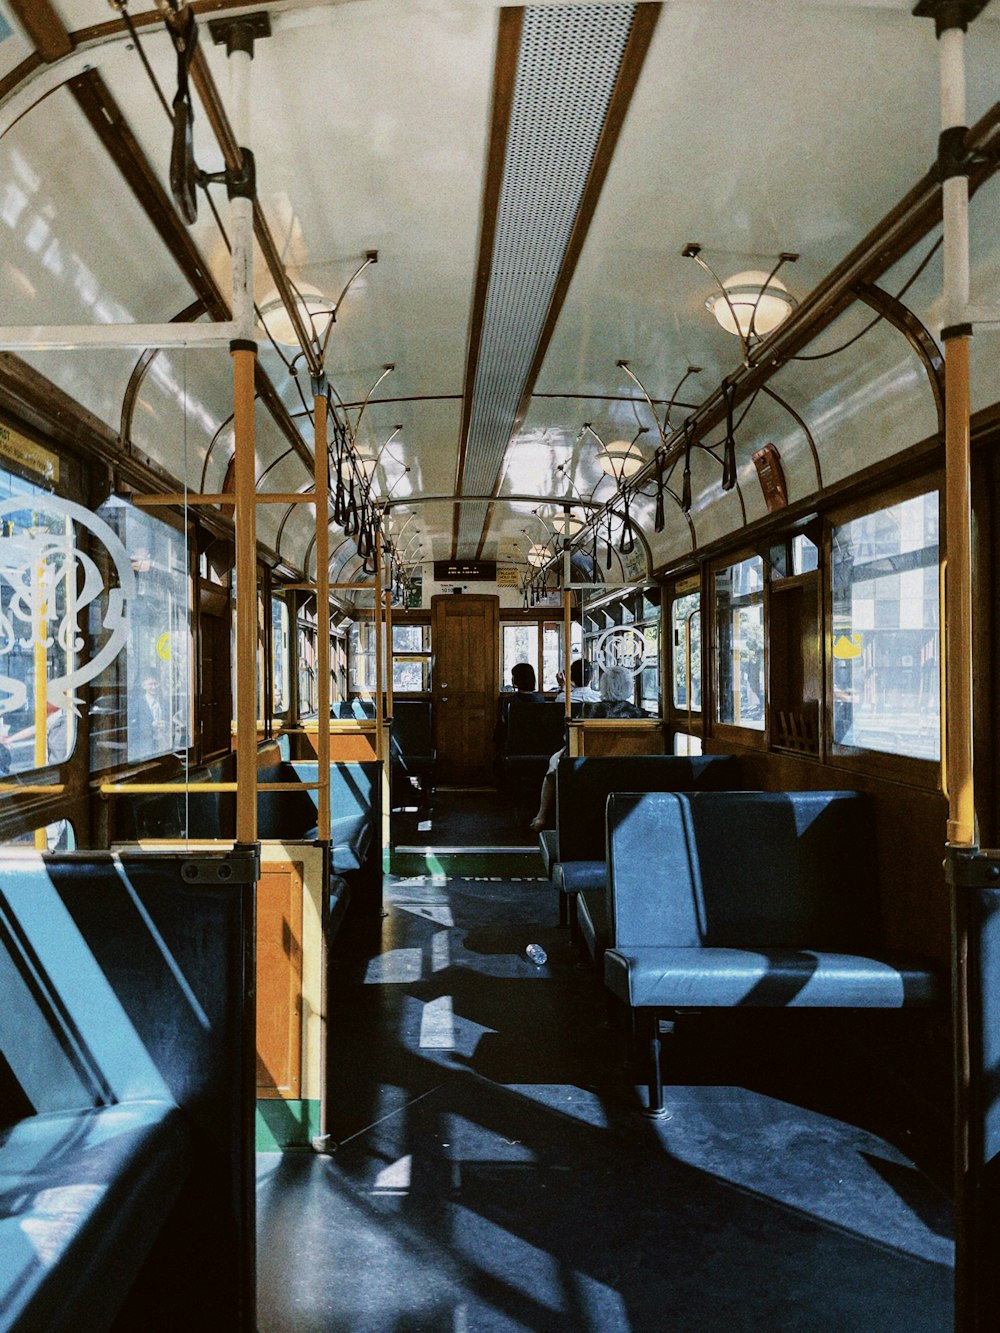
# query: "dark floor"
493,1172
467,817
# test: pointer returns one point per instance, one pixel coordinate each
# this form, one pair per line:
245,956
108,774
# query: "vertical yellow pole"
244,358
957,753
379,656
322,488
388,651
381,737
41,665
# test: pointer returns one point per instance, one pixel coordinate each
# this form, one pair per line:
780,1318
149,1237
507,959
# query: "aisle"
493,1173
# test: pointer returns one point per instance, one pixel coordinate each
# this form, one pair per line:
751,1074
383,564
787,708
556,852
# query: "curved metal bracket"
901,317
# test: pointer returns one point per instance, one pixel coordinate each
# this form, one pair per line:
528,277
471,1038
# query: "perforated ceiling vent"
566,71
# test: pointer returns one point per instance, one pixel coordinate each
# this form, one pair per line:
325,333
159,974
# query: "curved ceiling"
529,178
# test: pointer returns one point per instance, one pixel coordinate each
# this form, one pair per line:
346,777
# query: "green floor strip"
286,1124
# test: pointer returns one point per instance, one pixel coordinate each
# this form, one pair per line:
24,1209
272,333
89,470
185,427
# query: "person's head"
579,672
522,675
616,685
149,684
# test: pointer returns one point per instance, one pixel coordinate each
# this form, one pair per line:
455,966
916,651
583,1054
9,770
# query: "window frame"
754,738
909,769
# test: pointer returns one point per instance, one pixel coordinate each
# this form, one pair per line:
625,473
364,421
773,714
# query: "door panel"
464,638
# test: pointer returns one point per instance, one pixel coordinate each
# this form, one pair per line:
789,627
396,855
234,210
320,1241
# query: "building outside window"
886,630
739,643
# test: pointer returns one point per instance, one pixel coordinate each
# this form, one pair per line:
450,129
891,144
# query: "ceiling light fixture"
620,459
753,304
312,305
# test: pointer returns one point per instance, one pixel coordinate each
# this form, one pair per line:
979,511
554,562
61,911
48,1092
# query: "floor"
467,817
494,1171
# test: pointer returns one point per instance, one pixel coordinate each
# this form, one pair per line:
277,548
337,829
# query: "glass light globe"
310,302
747,291
621,458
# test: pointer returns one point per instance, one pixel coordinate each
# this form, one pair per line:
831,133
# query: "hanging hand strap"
686,492
659,520
183,170
729,457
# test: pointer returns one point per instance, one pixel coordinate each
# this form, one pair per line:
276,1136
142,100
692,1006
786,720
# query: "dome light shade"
754,301
620,459
312,304
538,554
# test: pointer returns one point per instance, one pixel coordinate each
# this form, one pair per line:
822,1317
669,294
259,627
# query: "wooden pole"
957,753
244,356
322,488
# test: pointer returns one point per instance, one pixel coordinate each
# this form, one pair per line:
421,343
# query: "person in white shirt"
579,684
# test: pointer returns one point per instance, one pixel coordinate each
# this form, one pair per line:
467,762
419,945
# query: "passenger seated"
619,696
617,693
522,677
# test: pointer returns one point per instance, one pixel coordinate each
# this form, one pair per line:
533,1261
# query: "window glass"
411,638
411,658
739,631
362,657
307,668
685,621
280,655
552,637
45,575
686,744
519,643
142,705
805,555
410,675
886,632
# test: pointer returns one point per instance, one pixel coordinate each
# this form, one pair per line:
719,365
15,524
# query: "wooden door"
465,641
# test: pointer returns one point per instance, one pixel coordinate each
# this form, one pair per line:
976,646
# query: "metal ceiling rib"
567,69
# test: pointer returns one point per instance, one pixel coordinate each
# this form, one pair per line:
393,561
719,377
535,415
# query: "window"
280,656
519,643
739,643
411,658
142,704
685,622
361,677
307,665
39,622
886,632
626,632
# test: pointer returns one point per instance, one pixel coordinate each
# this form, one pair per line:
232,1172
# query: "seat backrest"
743,870
122,978
197,815
125,977
584,785
535,728
411,728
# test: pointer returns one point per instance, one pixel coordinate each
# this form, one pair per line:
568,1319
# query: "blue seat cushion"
581,876
350,838
548,842
667,978
83,1197
592,921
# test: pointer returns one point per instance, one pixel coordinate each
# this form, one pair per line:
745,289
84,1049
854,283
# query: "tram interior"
370,370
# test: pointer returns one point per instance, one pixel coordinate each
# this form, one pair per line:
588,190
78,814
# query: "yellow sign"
163,647
847,646
507,576
28,454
